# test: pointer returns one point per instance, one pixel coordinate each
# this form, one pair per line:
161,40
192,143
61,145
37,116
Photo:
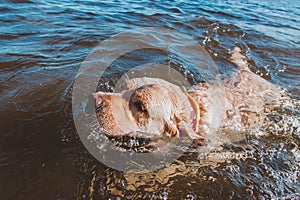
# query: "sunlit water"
42,46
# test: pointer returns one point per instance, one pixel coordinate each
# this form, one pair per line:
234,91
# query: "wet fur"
156,107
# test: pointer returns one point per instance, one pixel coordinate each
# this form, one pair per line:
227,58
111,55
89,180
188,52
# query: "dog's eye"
139,106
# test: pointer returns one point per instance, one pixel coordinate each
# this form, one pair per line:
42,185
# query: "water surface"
42,46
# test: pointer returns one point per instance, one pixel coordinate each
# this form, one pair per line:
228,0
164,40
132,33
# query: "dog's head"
150,106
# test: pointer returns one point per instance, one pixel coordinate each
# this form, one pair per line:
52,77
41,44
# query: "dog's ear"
185,128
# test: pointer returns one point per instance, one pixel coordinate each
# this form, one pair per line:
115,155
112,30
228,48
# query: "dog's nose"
98,101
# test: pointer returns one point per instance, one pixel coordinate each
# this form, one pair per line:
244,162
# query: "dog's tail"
239,59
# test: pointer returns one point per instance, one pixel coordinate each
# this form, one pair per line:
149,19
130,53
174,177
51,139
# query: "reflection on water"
43,44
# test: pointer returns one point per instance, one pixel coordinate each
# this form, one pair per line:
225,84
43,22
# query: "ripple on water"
43,44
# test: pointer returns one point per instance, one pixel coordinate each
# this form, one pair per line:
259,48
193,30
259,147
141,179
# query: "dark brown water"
42,46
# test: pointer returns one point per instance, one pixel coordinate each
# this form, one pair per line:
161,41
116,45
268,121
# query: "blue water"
42,46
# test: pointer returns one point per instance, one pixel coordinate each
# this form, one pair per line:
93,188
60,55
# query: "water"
42,46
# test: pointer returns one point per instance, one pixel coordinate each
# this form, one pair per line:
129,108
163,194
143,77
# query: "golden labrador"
156,107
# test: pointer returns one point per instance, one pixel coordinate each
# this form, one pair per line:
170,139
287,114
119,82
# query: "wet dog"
156,107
